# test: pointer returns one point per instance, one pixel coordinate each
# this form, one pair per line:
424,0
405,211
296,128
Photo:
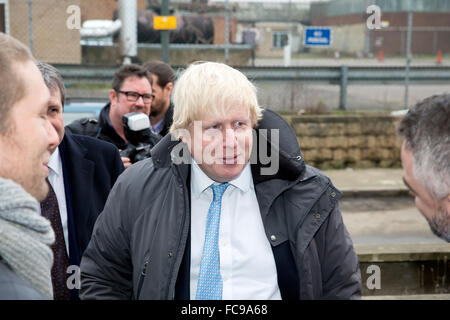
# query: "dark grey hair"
426,130
52,79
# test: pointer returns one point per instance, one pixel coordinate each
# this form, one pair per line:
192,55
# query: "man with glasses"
131,92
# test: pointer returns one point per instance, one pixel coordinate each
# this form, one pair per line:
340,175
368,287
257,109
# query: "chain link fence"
273,34
85,32
43,26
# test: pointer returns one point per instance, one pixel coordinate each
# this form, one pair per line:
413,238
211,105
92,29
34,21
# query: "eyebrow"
407,185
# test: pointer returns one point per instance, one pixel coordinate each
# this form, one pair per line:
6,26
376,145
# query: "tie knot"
219,189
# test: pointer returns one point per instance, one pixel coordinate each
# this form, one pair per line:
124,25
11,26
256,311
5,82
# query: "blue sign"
317,37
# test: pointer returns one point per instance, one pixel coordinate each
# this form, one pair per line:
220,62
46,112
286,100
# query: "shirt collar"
201,181
244,180
55,162
158,126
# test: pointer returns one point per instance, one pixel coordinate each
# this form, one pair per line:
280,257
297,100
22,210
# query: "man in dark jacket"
163,78
214,217
82,172
131,92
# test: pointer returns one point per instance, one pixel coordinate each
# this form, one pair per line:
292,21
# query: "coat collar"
107,129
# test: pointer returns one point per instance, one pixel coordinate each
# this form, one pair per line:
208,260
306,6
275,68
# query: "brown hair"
12,86
127,71
162,70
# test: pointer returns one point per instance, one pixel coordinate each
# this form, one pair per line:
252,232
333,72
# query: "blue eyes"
236,124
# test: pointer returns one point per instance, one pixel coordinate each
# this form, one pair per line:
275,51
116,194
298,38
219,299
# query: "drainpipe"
128,33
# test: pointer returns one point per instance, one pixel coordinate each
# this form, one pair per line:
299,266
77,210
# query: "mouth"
46,168
230,160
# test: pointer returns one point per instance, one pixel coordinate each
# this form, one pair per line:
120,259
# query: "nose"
52,135
140,101
229,138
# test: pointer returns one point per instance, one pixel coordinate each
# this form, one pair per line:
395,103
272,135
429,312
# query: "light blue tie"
209,286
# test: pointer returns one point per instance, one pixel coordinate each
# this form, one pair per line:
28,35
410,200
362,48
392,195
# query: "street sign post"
317,37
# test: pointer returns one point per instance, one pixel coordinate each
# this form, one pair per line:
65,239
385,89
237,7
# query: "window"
280,39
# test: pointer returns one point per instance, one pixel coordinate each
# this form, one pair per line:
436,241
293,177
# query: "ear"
169,87
112,96
186,139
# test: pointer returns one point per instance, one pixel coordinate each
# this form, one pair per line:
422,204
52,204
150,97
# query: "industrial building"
348,20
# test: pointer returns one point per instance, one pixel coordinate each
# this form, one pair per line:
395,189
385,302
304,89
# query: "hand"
126,162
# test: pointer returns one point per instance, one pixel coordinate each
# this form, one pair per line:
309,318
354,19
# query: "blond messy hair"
211,87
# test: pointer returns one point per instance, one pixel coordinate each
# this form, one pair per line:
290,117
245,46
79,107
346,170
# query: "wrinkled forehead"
223,111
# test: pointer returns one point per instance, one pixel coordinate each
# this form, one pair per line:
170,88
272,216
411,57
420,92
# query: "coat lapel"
78,176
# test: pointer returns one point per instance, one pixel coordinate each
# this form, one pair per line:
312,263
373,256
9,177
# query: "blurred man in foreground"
425,158
26,139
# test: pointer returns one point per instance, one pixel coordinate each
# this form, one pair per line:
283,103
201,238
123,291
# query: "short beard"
440,224
158,110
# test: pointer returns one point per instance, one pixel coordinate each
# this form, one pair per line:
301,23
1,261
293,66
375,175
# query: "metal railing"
337,75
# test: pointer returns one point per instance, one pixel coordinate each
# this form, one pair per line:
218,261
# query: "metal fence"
90,32
296,88
67,32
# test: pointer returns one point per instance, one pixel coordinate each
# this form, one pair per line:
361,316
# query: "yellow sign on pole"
164,23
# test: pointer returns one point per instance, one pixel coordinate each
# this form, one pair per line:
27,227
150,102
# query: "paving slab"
368,182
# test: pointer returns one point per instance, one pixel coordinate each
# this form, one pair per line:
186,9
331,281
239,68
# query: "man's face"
221,145
120,105
435,211
162,96
25,148
55,115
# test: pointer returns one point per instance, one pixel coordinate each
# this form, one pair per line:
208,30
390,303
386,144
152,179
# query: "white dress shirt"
247,264
56,179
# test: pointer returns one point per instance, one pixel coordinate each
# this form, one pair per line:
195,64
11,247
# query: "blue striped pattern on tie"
209,286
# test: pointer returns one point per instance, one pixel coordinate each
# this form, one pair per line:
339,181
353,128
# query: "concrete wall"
53,42
346,38
264,48
102,9
358,141
219,30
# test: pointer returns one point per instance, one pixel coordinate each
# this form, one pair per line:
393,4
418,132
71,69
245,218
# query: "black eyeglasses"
133,96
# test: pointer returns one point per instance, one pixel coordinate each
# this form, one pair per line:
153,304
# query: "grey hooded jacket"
140,239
